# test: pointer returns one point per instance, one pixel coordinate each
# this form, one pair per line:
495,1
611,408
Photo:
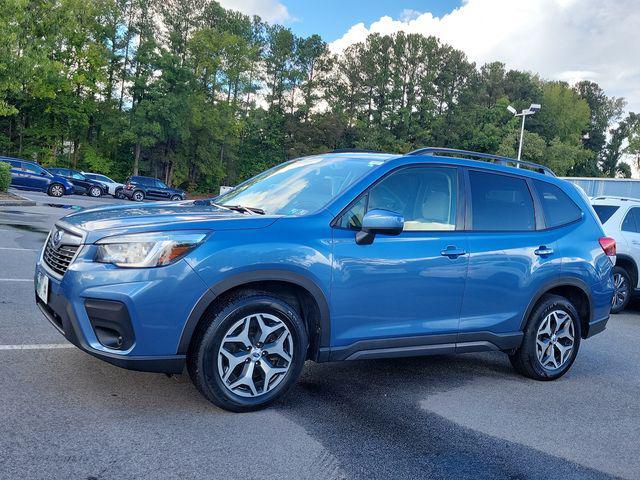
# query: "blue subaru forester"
343,256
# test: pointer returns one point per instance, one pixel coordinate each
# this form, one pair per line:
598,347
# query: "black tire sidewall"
209,379
622,271
529,342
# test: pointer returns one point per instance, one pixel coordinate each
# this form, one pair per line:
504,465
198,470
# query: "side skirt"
424,345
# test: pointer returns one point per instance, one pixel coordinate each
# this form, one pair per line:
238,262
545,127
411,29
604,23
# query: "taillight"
608,245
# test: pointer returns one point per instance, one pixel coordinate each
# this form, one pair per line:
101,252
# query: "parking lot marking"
20,249
16,279
41,346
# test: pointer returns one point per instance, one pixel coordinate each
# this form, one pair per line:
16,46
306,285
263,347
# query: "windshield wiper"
242,208
236,208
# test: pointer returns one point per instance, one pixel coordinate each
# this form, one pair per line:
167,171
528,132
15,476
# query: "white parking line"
20,249
16,279
41,346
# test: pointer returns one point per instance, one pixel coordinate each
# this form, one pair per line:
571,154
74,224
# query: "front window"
78,176
426,197
300,187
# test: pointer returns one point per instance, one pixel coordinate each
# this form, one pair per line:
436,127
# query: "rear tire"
622,289
551,340
55,190
95,192
262,371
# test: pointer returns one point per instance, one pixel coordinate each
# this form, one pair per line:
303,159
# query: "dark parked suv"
81,183
138,188
344,256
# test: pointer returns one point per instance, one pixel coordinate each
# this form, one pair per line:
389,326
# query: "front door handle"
543,251
452,252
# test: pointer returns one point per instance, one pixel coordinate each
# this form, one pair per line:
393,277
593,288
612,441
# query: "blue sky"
332,18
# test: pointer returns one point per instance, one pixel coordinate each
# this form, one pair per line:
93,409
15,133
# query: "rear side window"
558,208
605,212
500,203
631,221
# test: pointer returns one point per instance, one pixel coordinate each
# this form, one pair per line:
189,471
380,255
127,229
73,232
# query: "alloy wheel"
57,191
621,290
255,355
95,192
555,340
138,196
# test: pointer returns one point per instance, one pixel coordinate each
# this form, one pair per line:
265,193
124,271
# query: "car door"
18,175
36,177
630,230
160,190
508,256
80,180
400,288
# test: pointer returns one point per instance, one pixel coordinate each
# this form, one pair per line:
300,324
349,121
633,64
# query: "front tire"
551,340
138,196
176,198
55,190
249,352
622,290
119,194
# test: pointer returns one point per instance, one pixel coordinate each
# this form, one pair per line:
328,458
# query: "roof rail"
614,197
487,156
356,150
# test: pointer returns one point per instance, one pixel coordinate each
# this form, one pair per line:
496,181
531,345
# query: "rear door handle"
452,252
543,251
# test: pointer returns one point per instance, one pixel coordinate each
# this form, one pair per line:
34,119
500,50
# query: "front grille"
58,255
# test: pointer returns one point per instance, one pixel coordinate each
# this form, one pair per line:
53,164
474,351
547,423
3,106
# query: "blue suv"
343,256
27,175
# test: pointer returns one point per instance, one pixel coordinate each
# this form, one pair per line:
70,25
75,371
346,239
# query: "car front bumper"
157,302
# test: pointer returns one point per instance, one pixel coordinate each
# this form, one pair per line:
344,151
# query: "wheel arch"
629,264
571,288
302,292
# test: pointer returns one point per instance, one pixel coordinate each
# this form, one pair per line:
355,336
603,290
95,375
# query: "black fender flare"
257,276
555,283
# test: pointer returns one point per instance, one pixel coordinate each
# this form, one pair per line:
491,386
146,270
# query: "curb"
17,201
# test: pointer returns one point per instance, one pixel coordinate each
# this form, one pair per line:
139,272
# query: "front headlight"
142,250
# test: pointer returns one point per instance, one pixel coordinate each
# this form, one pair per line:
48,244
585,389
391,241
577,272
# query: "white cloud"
270,10
569,40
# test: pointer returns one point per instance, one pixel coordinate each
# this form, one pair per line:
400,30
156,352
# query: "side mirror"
381,222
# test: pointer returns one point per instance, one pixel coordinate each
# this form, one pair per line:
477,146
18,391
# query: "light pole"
535,107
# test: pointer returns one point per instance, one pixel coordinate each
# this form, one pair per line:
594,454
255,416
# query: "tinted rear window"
500,202
558,208
605,212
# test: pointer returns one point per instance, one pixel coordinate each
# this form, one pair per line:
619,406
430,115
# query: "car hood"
145,217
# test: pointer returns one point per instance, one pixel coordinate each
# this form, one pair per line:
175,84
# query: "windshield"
300,187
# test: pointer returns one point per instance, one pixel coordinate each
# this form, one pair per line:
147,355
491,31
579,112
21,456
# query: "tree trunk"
136,159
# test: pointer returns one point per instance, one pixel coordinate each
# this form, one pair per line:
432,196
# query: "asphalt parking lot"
65,414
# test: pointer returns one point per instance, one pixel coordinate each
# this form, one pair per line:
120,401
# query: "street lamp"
534,108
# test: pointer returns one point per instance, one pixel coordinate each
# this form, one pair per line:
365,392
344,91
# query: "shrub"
5,176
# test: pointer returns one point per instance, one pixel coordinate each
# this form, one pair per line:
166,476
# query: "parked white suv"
620,218
114,188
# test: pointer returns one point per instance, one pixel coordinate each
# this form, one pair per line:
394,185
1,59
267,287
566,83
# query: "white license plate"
42,287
